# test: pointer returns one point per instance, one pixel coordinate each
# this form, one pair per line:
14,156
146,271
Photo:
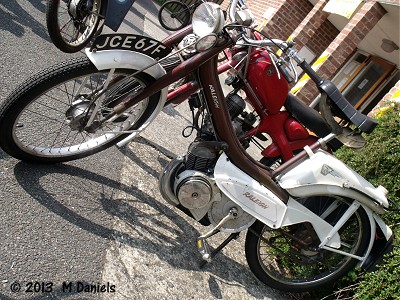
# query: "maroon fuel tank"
270,88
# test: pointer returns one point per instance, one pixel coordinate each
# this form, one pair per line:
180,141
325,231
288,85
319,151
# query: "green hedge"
379,162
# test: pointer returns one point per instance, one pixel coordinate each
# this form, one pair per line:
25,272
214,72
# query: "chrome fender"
124,59
260,202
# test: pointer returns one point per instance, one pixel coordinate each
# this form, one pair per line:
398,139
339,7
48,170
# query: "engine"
187,181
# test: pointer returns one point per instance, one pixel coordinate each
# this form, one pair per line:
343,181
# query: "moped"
309,220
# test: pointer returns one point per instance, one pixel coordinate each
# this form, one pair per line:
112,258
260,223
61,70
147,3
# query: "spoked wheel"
289,258
174,15
44,120
72,23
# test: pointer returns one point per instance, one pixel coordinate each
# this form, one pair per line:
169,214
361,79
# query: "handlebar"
338,101
264,43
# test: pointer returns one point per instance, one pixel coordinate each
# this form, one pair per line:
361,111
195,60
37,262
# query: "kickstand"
232,236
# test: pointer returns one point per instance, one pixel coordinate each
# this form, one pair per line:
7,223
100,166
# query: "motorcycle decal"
256,200
131,42
270,71
325,170
214,96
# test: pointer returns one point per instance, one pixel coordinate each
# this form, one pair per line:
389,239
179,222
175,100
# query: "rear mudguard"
375,245
323,174
124,59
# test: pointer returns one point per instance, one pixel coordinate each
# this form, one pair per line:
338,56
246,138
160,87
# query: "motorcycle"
309,221
72,24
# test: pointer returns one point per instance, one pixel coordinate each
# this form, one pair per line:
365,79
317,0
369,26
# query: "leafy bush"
379,162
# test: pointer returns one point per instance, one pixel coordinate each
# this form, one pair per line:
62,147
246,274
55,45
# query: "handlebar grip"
363,122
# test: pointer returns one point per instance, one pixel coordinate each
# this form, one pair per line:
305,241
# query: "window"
361,76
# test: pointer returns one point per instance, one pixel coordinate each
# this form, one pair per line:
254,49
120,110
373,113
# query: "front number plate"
131,42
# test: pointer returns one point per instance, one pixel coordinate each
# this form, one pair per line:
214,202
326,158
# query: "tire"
174,15
282,262
43,120
71,34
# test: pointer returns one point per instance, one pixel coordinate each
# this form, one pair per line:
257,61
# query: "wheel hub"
79,9
77,114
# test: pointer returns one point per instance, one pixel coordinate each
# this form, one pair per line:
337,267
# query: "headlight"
207,18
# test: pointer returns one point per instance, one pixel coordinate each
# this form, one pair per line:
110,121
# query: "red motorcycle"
265,80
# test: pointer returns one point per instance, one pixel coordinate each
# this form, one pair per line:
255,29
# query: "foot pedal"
204,249
202,244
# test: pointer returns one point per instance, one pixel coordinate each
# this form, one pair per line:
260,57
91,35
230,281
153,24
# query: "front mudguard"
124,59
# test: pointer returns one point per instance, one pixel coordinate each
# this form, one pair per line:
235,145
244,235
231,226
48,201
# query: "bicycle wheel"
72,23
174,15
289,259
44,119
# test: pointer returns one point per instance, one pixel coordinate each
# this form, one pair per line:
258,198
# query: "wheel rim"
48,126
287,261
75,32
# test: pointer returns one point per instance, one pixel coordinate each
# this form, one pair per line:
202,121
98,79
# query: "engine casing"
188,183
194,189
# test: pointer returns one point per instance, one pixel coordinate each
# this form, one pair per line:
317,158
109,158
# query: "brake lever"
296,75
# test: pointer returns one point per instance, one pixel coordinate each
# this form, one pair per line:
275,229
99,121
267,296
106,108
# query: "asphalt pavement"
101,221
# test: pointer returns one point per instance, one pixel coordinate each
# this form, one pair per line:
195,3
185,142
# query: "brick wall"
325,34
287,17
259,7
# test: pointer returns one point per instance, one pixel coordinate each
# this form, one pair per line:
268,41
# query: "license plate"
131,42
